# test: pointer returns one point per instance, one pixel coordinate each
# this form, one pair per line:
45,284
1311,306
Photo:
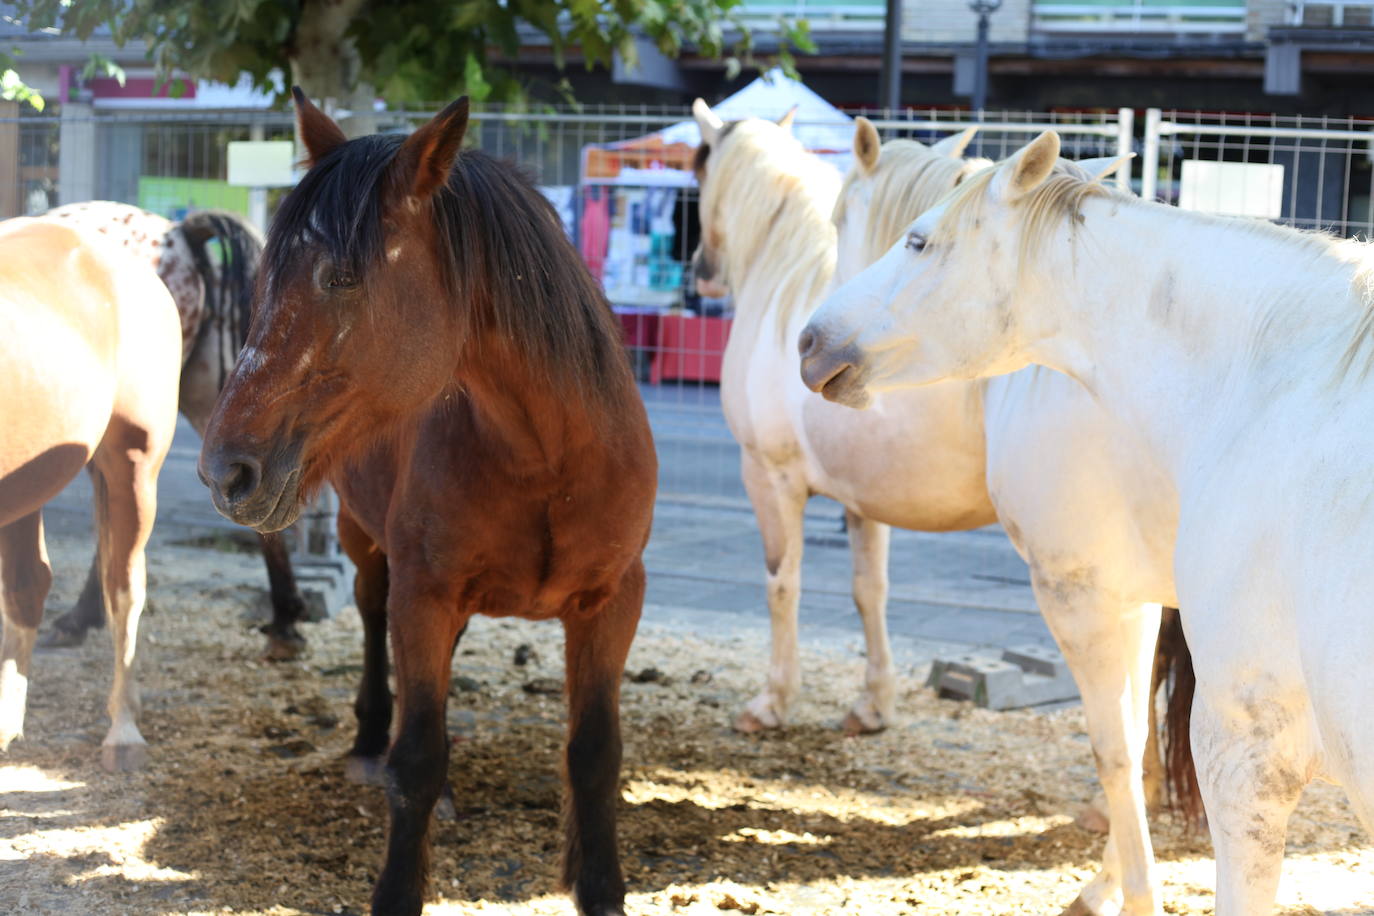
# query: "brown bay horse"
427,340
88,378
214,297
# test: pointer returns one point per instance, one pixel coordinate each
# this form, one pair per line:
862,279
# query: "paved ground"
949,592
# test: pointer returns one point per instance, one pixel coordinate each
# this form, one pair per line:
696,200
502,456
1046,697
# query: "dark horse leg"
365,762
284,640
424,624
87,614
373,703
596,648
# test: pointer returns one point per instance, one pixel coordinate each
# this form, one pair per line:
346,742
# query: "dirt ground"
244,808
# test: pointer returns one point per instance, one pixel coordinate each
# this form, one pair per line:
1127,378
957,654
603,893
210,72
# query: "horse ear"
1027,168
427,155
785,122
868,146
318,131
954,145
707,120
1103,166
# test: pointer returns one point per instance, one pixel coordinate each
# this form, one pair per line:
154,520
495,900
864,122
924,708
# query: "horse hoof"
365,771
854,725
60,637
749,724
1081,907
1090,817
123,758
283,648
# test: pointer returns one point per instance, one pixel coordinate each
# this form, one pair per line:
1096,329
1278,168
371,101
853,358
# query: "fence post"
1149,178
76,153
10,198
1125,144
257,197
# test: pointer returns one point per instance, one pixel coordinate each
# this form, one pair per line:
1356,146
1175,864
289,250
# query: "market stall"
634,230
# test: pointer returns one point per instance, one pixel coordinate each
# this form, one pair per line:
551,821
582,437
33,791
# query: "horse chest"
534,548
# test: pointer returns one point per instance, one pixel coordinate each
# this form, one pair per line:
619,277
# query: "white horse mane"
908,180
1062,195
775,199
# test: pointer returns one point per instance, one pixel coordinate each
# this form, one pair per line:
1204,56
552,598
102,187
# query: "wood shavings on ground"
245,809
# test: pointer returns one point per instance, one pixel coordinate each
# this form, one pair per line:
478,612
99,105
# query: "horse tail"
229,285
1174,668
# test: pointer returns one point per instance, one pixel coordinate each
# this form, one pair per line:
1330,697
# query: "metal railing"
1312,173
1138,17
847,16
1336,10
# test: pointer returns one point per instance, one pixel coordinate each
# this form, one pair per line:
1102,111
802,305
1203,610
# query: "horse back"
75,325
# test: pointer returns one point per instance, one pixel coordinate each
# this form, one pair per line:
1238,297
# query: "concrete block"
1028,675
326,585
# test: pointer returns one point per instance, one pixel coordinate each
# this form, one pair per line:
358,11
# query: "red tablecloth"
689,348
639,326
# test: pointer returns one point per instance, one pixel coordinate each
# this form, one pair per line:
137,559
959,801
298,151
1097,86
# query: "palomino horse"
1093,522
213,301
428,340
1252,406
91,354
767,236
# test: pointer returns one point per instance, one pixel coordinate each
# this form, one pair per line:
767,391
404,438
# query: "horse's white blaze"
1223,357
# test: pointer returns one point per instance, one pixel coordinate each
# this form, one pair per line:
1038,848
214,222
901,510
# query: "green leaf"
413,50
13,89
474,83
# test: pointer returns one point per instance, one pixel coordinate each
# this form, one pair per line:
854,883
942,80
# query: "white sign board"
262,163
1232,188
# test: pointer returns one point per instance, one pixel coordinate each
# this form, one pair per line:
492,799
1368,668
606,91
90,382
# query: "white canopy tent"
821,127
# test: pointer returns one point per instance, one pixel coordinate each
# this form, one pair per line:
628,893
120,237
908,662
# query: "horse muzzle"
837,373
704,270
265,496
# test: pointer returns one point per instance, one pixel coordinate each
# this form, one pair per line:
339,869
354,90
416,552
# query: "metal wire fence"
620,177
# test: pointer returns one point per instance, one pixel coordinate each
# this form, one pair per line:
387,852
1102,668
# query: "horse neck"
532,422
780,275
1222,319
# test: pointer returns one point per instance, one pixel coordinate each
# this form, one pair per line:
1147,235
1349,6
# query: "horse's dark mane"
509,264
228,285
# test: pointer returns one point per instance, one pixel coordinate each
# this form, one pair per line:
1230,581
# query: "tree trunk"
325,64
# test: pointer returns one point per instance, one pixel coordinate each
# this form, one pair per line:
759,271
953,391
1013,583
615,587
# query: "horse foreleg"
125,482
1248,744
423,625
779,498
596,648
373,703
869,542
25,578
284,640
88,613
1109,646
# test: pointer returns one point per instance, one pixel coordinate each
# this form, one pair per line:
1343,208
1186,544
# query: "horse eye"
915,242
342,280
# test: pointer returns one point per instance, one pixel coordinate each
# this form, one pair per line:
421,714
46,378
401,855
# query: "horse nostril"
239,479
806,344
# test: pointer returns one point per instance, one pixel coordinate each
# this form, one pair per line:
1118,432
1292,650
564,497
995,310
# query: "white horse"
767,235
1094,523
1095,530
1235,355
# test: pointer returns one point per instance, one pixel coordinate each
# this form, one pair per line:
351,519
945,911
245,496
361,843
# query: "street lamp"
983,8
